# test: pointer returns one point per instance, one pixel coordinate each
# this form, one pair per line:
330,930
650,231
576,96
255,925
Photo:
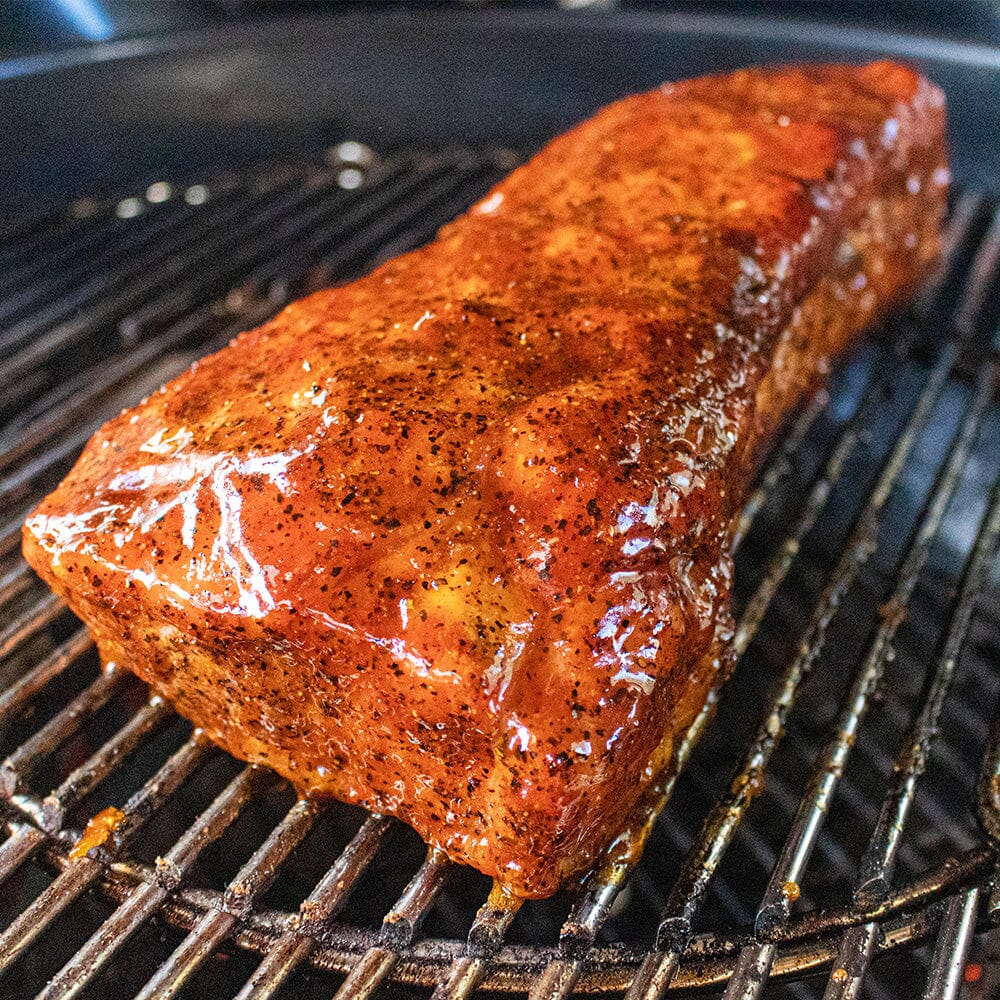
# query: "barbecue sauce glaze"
453,541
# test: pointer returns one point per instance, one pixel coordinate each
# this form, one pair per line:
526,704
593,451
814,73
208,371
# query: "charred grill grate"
855,725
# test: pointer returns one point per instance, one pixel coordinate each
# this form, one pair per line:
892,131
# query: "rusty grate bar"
398,930
83,779
84,872
171,869
249,884
330,894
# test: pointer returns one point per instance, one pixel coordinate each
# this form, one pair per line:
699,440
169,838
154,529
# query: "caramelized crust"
453,541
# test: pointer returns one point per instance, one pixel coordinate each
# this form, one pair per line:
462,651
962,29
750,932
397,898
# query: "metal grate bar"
753,615
46,909
254,878
755,960
201,943
249,884
220,226
45,610
988,806
876,868
23,840
330,894
210,825
368,974
593,905
82,780
398,929
781,466
83,872
21,439
690,889
952,947
20,485
96,302
819,494
811,944
89,960
157,790
403,921
22,761
13,583
878,863
486,936
13,698
10,533
291,257
590,909
953,237
27,223
984,273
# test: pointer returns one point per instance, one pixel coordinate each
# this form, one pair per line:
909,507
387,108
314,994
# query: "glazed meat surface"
453,542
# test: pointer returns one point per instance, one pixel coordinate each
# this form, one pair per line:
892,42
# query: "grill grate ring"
912,914
326,233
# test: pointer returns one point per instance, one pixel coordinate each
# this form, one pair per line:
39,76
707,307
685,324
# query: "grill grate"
863,553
